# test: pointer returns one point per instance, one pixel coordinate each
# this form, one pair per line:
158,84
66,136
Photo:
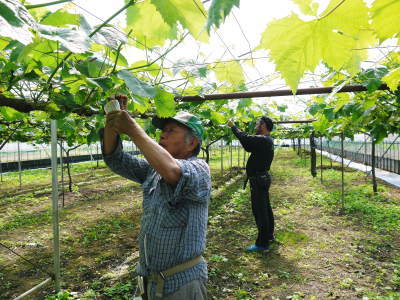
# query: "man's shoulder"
195,163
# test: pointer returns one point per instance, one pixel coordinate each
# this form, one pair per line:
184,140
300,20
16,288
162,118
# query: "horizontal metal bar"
294,121
35,288
277,93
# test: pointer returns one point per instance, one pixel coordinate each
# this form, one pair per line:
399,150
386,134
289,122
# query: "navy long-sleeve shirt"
261,148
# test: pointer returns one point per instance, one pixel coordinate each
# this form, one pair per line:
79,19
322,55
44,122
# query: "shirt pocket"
174,218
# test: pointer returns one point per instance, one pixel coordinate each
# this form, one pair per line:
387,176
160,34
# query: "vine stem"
168,51
46,4
332,10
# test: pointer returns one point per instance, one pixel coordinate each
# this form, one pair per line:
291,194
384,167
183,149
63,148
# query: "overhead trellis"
277,93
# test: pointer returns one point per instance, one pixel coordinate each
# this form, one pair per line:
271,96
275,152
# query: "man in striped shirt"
176,192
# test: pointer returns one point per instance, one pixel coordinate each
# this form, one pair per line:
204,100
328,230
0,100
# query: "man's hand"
230,123
123,100
120,122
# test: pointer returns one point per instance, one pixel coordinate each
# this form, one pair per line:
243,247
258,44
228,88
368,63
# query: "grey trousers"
193,290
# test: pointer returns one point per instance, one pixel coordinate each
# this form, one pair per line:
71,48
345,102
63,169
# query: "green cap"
184,118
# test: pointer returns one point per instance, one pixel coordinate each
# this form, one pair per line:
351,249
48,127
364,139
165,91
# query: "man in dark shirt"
261,147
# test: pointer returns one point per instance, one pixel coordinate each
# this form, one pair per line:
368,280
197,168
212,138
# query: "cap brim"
160,122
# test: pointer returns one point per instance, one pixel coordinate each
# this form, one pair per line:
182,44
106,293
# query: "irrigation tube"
54,198
34,289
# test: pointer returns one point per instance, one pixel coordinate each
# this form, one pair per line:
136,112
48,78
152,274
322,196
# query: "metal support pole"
244,158
62,173
222,159
1,170
379,160
313,155
19,166
238,155
230,149
97,154
56,228
321,156
342,154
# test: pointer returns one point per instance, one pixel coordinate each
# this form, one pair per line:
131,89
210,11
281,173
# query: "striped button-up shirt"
174,219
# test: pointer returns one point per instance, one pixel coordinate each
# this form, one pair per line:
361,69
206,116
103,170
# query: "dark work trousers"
262,211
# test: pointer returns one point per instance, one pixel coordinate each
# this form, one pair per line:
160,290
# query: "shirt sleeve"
250,143
194,184
125,164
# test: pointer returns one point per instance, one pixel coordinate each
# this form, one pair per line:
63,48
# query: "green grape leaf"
109,36
219,10
10,114
147,25
122,61
202,71
189,13
105,83
282,108
369,103
329,114
296,45
342,99
307,7
385,18
93,67
322,124
392,79
137,86
165,104
15,21
138,103
231,72
73,40
218,118
61,18
244,104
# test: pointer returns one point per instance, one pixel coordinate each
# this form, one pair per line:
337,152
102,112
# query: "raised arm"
157,156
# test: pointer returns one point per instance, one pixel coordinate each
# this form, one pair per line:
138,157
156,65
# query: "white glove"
112,105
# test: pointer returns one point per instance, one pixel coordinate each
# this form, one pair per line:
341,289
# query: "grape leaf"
136,86
10,114
385,18
148,26
219,10
15,21
296,45
73,40
392,79
307,7
165,103
218,118
61,18
231,72
189,13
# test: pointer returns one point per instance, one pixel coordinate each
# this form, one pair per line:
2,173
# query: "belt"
258,174
159,277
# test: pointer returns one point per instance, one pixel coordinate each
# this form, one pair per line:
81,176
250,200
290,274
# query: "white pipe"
56,227
19,167
35,288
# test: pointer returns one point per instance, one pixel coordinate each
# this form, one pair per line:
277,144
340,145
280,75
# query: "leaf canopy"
296,45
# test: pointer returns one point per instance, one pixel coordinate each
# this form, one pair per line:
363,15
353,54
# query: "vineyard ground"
322,253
